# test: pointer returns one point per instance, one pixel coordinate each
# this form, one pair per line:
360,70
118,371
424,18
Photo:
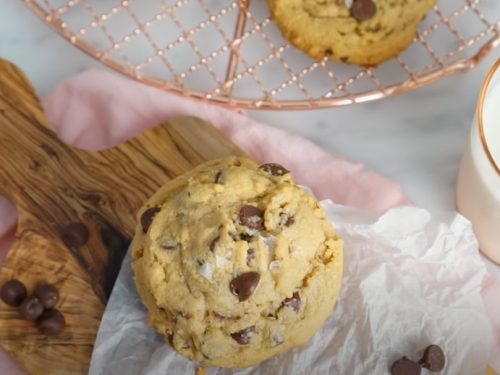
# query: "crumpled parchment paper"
410,280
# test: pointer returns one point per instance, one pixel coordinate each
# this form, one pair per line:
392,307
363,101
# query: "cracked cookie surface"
235,263
364,32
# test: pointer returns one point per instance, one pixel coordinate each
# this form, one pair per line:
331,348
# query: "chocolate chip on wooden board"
274,169
13,292
75,235
51,322
47,294
252,217
147,217
243,337
31,308
405,366
363,10
433,358
244,285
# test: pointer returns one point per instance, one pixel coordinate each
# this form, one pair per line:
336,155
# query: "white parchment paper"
410,280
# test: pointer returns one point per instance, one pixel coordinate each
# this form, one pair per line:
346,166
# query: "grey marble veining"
416,138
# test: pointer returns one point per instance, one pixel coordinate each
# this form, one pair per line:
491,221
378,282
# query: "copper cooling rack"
231,52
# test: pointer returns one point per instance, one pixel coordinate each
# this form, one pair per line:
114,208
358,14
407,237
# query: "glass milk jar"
478,184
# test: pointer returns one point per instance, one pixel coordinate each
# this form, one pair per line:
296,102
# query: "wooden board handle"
54,185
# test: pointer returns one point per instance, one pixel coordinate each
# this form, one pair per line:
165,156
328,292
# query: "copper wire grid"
231,52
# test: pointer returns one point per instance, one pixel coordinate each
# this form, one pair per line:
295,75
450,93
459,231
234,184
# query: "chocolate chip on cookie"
363,10
274,169
218,177
51,322
287,219
405,366
433,358
147,217
251,255
243,337
292,302
13,293
213,243
244,285
31,308
251,217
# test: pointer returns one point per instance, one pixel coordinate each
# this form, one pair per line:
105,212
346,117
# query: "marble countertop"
416,138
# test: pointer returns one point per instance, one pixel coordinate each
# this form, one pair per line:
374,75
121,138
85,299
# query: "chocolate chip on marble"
405,366
47,294
244,285
75,235
433,358
363,10
292,302
213,243
251,217
243,337
13,292
147,217
219,177
274,169
51,322
31,308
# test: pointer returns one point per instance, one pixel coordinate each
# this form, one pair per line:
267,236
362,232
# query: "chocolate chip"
243,337
293,302
244,285
147,217
47,294
363,10
251,255
219,177
328,52
213,243
433,358
405,366
170,338
246,237
31,308
287,219
75,235
13,293
290,221
251,217
274,169
51,322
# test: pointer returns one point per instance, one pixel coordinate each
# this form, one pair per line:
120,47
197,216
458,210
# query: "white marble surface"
416,138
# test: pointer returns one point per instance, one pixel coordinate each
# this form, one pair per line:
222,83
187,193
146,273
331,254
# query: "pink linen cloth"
97,110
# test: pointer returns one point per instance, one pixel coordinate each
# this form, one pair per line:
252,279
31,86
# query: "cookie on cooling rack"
365,32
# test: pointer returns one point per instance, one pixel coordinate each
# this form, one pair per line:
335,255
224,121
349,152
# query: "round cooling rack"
231,52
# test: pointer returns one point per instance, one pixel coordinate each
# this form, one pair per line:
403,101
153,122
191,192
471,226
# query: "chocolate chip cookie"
365,32
236,263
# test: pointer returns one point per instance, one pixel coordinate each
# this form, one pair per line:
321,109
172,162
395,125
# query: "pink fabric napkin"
97,110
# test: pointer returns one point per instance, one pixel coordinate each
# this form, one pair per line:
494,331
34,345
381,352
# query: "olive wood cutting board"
54,185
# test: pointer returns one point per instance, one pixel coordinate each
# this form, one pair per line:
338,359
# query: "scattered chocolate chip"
47,294
244,285
147,217
328,52
433,358
251,217
287,219
290,221
274,169
292,302
363,10
214,243
75,235
219,177
405,366
246,237
51,322
31,308
13,293
251,255
243,337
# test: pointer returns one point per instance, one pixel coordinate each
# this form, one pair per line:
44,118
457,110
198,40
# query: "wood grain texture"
53,185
